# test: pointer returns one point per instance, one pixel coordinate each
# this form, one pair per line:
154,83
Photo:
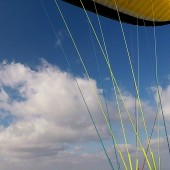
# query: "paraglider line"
108,158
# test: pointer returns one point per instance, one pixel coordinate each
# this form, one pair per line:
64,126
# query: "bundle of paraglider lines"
137,12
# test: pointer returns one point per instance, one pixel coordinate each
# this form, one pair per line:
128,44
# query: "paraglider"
142,12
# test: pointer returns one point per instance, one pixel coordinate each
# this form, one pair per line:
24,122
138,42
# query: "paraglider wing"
133,12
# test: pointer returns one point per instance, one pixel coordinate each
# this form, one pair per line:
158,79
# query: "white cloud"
165,102
60,38
51,114
50,120
3,95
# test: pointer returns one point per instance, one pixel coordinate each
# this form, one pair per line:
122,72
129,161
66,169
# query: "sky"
44,121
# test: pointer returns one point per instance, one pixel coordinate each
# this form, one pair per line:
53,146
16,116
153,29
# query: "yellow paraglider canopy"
141,12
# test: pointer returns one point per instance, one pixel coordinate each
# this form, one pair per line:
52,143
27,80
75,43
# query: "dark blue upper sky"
26,36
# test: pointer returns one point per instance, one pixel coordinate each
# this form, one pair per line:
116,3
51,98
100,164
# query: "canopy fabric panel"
141,12
157,10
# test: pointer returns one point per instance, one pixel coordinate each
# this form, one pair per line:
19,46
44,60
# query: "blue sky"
42,112
26,36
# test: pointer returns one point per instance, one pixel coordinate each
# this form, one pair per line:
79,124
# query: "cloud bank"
44,119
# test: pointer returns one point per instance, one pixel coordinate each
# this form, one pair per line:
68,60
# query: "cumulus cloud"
43,117
60,38
47,108
165,101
